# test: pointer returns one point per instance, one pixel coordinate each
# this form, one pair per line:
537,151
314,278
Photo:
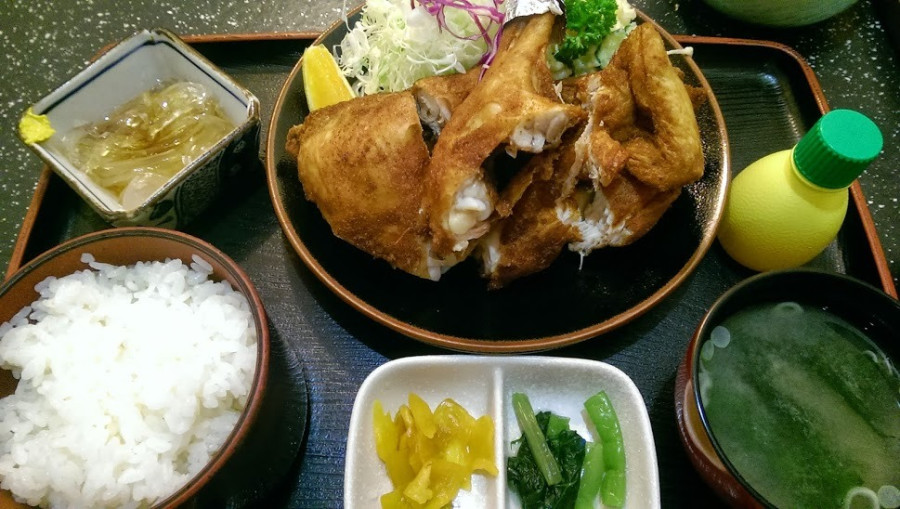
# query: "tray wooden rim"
856,193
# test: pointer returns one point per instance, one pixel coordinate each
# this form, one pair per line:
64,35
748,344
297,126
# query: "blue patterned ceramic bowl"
131,67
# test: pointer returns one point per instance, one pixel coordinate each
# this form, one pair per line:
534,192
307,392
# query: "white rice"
130,379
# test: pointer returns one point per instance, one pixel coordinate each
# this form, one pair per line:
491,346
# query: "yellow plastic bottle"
785,208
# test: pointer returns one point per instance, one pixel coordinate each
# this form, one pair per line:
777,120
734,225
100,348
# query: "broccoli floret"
587,23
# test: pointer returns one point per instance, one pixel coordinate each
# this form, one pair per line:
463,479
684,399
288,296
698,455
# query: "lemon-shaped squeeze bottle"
785,208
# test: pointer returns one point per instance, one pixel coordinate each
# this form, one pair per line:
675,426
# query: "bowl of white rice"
133,363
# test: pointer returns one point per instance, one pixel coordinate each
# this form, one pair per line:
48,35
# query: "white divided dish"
484,386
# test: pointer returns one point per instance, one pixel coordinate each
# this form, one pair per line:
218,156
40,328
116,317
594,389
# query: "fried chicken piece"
366,177
618,214
598,188
644,105
641,144
438,96
529,235
514,104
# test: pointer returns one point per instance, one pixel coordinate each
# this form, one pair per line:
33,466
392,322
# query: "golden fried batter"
366,178
641,144
643,104
530,235
514,104
638,204
604,182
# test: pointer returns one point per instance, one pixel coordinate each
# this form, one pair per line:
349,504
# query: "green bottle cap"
837,149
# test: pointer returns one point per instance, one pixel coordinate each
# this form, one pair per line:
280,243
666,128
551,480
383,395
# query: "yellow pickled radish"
431,455
323,81
422,415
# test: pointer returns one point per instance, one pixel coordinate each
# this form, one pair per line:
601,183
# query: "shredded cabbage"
397,42
598,56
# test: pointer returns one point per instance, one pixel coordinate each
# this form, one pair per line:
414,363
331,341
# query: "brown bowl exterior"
126,246
864,306
696,440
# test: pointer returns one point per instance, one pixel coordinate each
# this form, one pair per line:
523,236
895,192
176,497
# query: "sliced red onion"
479,13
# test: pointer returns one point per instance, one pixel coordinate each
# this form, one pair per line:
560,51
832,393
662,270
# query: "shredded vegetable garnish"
397,42
493,14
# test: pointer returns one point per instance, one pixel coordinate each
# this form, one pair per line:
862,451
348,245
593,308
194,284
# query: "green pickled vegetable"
591,476
556,424
601,413
535,439
524,476
612,492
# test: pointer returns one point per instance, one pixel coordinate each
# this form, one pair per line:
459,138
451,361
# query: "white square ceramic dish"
131,67
484,385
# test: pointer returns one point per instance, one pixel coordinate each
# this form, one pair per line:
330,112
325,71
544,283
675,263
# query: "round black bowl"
865,307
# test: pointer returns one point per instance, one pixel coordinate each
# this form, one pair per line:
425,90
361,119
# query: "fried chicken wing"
618,214
641,144
612,152
644,105
514,104
366,178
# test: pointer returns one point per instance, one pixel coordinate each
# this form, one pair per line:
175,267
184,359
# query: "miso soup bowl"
868,309
136,65
127,246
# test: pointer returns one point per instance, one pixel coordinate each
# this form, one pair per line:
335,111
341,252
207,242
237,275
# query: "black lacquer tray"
769,98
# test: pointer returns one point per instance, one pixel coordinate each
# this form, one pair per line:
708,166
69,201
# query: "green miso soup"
804,406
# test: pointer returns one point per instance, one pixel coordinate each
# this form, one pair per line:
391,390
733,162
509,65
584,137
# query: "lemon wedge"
323,81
